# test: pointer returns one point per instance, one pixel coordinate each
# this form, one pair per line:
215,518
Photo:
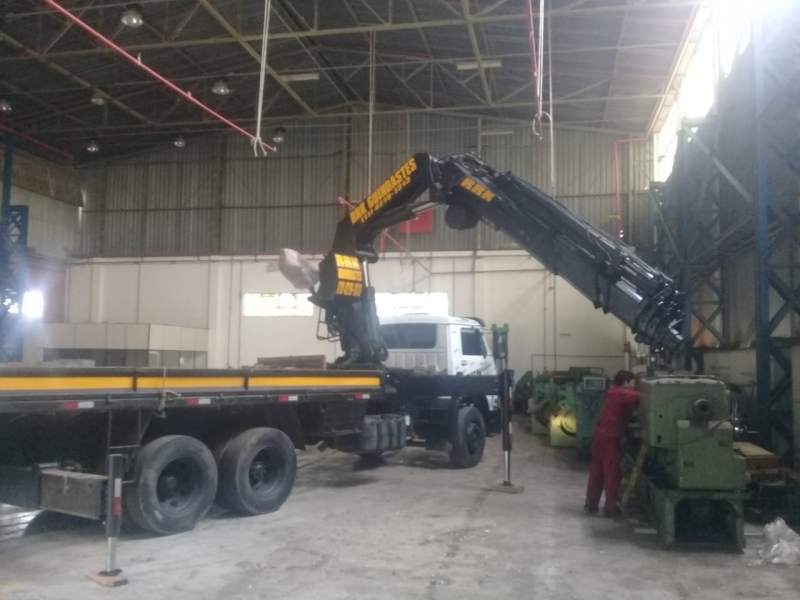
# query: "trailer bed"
24,390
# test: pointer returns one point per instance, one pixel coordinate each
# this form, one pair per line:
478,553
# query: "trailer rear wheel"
469,438
174,485
257,469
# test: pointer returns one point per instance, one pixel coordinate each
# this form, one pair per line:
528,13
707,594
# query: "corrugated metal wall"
215,197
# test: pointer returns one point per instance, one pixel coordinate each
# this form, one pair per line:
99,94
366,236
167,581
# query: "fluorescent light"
280,135
5,106
497,132
179,142
473,65
300,77
93,147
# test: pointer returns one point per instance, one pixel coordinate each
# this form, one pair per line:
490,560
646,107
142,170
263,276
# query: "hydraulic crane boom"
601,267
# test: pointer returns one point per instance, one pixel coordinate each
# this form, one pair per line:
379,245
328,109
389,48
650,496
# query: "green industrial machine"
556,402
695,479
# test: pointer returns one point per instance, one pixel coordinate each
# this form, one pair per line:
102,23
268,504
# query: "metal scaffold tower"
13,251
776,71
726,223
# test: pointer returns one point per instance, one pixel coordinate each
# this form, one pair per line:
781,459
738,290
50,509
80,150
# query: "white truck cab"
437,344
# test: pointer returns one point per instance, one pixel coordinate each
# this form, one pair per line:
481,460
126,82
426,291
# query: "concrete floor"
412,528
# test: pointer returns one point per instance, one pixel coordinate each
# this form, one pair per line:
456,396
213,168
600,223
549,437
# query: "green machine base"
698,517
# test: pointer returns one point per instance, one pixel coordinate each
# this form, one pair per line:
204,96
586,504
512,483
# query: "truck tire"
256,471
469,438
173,487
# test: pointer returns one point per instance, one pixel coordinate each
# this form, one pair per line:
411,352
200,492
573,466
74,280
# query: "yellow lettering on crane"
384,192
480,190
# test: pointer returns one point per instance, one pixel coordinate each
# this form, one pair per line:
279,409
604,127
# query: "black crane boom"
600,266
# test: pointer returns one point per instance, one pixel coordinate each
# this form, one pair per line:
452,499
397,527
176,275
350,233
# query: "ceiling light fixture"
280,135
5,106
179,142
98,99
473,65
93,147
301,77
491,132
220,88
132,18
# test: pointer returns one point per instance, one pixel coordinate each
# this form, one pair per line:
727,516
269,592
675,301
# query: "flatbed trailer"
190,438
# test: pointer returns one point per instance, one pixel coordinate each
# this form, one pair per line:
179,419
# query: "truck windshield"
409,336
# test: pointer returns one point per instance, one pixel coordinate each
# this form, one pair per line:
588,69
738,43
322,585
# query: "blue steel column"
8,159
761,200
686,221
776,75
13,250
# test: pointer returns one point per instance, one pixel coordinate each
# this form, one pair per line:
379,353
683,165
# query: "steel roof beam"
423,35
64,29
403,110
378,27
72,77
49,107
617,55
476,51
490,8
244,43
405,85
308,46
399,60
173,35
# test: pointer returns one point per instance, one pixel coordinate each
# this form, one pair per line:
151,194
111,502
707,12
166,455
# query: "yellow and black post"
111,576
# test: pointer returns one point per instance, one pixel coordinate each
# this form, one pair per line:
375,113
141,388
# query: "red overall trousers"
603,473
604,470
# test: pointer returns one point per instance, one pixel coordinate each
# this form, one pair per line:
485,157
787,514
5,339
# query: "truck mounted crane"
600,266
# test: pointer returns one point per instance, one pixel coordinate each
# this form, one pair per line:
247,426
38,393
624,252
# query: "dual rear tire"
177,479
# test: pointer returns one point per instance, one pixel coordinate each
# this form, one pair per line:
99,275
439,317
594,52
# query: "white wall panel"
79,294
120,291
174,294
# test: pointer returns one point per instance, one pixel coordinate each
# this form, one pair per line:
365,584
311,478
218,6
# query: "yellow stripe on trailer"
189,382
300,382
65,383
151,382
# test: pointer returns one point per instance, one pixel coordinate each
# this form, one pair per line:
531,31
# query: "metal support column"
763,329
776,82
13,251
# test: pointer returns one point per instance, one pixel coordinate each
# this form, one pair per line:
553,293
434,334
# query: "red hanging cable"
151,72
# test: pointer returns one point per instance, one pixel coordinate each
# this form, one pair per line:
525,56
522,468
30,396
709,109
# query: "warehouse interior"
182,180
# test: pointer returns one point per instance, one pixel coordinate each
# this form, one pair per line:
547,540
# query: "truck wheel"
257,471
469,438
174,485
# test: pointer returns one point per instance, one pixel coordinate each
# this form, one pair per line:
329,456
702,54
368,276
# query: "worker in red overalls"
604,474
